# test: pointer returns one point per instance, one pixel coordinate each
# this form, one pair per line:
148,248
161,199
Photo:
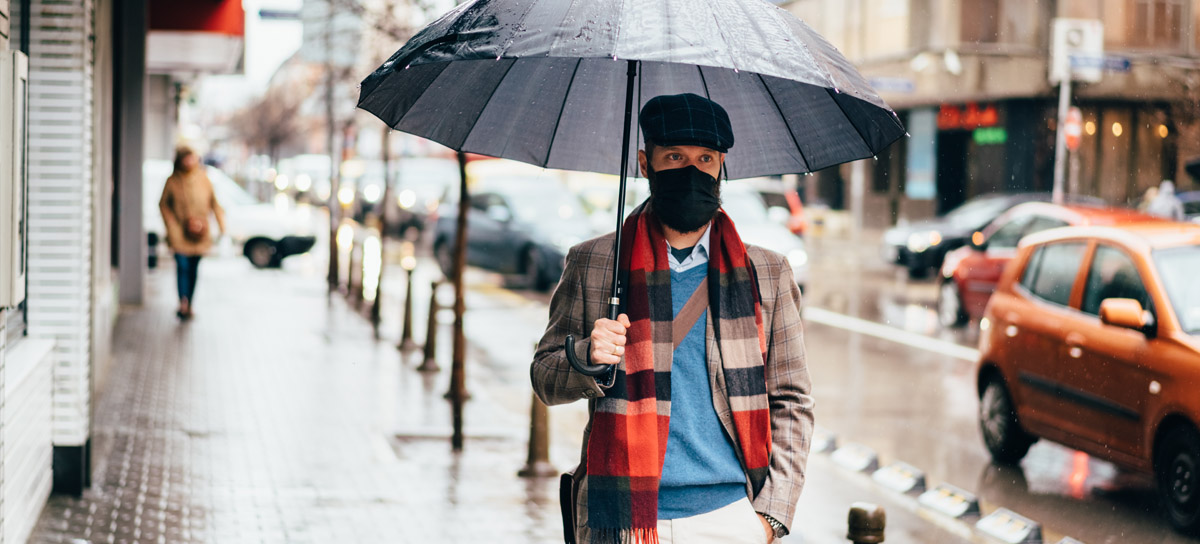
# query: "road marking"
900,336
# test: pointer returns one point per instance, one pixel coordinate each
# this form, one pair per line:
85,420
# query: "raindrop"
614,57
497,57
875,157
837,90
907,135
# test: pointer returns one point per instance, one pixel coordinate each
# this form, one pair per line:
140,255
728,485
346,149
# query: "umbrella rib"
558,121
703,81
861,136
487,102
787,124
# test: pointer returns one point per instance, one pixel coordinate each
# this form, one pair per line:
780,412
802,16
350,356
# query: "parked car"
921,246
515,226
755,226
1092,340
1191,205
970,273
783,202
268,233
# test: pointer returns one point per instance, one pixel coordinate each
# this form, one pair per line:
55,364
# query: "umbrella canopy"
539,81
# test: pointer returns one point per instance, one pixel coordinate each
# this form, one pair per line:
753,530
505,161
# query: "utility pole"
1060,139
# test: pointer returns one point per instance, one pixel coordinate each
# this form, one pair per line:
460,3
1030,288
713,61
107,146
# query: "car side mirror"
498,213
1127,313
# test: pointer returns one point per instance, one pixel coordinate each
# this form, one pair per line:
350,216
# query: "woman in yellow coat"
187,203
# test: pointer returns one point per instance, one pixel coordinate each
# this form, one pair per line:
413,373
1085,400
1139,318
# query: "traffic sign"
1073,128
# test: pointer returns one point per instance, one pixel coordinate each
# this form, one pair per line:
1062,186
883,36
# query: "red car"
970,273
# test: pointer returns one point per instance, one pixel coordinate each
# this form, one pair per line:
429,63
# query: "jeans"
185,274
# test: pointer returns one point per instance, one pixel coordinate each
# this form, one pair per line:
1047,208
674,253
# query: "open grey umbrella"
544,82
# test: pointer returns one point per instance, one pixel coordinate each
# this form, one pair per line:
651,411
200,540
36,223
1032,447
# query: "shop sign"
990,136
969,117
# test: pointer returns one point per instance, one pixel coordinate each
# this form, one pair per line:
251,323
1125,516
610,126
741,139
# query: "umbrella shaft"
614,302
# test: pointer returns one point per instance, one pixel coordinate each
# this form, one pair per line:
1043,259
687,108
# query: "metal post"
430,362
537,464
334,206
458,386
867,523
406,340
1060,140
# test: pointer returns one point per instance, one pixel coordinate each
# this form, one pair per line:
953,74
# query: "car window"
774,200
1009,234
1041,223
1031,269
1053,272
1113,275
1177,267
483,201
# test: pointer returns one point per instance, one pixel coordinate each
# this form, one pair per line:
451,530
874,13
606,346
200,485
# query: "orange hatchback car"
1092,340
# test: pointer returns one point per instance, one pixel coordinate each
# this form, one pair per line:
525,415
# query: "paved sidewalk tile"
274,416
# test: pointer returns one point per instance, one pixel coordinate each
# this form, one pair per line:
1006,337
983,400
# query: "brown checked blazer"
582,297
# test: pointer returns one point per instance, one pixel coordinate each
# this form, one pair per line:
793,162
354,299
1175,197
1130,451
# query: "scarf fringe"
641,535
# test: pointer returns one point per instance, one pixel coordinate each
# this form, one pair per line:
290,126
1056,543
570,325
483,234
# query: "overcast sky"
268,44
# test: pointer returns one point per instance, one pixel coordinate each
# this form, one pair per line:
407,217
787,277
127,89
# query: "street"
886,376
275,417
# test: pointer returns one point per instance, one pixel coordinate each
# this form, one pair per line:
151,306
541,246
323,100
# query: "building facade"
969,79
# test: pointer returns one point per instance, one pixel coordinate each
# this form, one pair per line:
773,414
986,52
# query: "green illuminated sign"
990,136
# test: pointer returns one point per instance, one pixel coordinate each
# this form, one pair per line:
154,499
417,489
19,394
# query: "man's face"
707,160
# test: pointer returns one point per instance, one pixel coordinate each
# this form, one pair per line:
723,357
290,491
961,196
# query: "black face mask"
684,199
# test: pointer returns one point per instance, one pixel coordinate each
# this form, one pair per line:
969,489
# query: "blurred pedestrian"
702,425
1166,204
187,203
1147,198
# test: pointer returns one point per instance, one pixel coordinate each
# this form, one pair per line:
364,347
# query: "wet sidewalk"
274,416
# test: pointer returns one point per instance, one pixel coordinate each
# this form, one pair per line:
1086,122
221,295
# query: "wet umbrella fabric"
540,81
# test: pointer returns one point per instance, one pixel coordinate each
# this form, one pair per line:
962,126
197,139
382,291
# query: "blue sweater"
701,472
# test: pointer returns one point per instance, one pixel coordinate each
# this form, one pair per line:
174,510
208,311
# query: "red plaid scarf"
629,424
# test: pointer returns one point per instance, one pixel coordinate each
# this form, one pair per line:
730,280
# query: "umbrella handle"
579,366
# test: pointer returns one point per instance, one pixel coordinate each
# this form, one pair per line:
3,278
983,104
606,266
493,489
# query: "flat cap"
686,119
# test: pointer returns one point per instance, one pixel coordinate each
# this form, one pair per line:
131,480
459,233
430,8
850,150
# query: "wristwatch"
780,530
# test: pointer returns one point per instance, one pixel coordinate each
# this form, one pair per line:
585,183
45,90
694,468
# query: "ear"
642,162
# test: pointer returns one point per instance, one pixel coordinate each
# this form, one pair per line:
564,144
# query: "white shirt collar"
699,254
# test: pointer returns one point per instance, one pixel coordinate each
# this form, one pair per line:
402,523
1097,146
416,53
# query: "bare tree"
270,123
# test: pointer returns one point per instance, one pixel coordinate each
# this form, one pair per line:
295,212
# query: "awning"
204,36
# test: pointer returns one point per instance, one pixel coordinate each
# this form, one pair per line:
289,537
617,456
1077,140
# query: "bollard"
866,523
537,464
406,339
430,362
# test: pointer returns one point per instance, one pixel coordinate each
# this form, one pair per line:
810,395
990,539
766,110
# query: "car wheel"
1002,433
951,313
445,258
1177,466
260,252
531,269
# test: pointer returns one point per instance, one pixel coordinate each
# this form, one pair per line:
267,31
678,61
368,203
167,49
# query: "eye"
674,157
706,158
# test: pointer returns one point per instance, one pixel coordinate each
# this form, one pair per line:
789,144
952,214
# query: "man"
700,432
